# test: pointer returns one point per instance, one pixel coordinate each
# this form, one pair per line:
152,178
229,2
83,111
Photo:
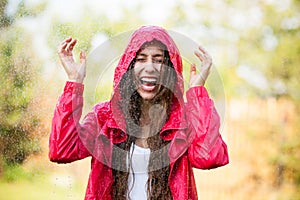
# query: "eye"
158,61
141,60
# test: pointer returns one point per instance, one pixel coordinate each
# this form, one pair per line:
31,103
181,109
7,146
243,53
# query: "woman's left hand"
206,62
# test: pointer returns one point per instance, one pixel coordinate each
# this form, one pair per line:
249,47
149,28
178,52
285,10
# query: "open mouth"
148,83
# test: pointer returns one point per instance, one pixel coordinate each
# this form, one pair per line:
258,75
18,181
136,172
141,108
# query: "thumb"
192,70
82,57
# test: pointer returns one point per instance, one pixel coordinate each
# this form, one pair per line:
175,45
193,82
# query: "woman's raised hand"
206,62
76,71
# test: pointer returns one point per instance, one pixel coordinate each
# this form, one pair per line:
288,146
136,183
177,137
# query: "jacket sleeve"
207,150
65,142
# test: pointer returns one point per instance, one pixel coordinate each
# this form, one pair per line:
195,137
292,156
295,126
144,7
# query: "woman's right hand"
76,71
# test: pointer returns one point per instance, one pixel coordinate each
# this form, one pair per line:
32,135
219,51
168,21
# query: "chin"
147,98
147,95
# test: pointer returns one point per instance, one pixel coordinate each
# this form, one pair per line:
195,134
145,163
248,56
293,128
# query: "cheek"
158,67
137,69
136,72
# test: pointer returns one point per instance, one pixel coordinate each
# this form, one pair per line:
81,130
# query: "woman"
145,141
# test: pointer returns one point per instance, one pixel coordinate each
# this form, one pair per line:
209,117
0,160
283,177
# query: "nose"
150,66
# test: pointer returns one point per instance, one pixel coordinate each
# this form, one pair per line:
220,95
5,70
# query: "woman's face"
147,69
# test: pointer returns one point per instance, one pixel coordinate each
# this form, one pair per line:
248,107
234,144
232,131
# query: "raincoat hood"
138,38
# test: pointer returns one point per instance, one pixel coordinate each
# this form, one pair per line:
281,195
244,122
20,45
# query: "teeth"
149,80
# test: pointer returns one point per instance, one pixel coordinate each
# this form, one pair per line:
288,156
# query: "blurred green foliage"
18,74
269,49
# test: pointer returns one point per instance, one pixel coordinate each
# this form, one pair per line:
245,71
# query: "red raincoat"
192,128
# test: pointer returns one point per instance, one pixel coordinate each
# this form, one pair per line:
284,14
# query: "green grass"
42,187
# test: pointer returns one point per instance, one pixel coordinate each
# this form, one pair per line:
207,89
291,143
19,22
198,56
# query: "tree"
18,73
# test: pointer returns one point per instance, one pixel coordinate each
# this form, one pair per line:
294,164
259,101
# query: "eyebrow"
145,55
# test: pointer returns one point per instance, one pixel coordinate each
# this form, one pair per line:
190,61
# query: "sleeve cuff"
74,87
198,91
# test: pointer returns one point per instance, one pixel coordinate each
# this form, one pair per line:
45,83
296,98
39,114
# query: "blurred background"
255,47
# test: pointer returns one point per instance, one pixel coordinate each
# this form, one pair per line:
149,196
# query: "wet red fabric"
192,128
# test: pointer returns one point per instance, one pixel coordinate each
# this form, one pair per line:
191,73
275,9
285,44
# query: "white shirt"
140,160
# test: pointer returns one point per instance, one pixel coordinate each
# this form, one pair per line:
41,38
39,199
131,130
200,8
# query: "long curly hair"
158,167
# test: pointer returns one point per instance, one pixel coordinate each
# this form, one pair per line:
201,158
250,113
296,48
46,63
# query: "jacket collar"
175,122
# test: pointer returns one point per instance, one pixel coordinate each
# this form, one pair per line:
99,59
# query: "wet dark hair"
158,167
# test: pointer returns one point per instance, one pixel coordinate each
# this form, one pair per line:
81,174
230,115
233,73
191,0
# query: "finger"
67,40
205,53
202,49
82,57
71,45
193,69
62,47
64,44
199,55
